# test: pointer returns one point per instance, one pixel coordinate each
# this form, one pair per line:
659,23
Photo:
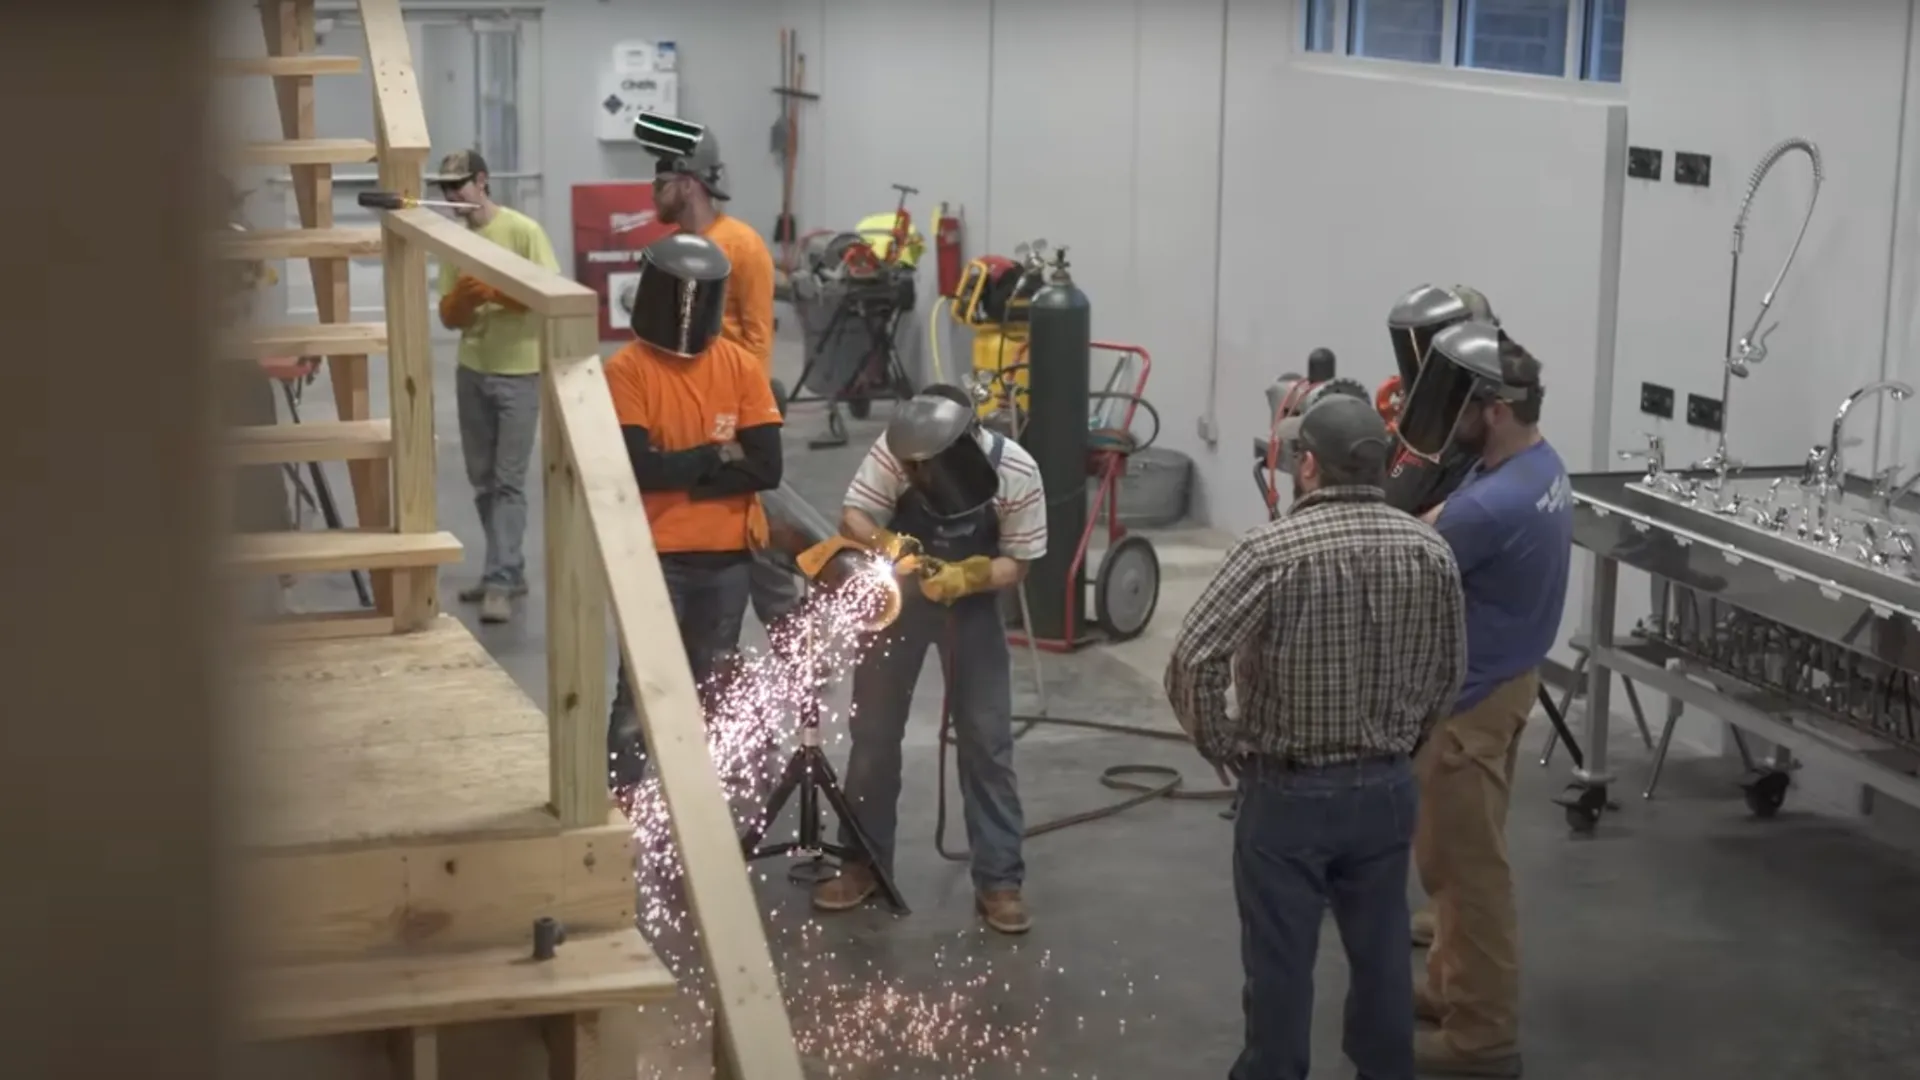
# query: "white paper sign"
624,93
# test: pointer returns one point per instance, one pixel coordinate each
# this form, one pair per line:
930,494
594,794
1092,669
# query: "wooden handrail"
402,119
540,289
754,1034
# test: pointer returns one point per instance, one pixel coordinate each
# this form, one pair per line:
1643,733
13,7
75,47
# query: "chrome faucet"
1657,477
1836,463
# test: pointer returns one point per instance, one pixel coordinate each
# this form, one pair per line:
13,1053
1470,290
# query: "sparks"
847,1013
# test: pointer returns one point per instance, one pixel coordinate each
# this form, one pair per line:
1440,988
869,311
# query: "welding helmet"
680,297
684,148
932,436
1426,311
1465,368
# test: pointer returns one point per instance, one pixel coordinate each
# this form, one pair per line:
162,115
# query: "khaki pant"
1460,850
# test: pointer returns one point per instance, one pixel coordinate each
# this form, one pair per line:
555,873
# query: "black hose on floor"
1118,777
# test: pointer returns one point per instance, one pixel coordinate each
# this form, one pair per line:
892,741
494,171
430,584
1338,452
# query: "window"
1525,36
1557,39
1320,25
1397,29
1606,32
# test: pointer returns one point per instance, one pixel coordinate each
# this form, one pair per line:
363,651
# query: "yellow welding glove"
895,546
815,558
956,580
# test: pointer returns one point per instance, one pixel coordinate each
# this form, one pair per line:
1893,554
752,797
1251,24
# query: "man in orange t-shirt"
688,188
703,433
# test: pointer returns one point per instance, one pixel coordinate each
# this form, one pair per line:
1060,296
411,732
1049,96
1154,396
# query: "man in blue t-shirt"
1510,525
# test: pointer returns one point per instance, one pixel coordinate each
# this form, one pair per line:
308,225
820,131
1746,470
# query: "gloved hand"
488,294
459,307
895,546
956,580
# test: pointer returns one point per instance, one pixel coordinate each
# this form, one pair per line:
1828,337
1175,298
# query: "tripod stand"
810,776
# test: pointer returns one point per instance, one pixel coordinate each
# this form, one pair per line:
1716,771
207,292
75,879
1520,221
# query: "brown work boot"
1423,928
1434,1056
853,886
1427,1008
1004,910
497,605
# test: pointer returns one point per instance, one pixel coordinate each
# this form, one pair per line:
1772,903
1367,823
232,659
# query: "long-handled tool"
390,200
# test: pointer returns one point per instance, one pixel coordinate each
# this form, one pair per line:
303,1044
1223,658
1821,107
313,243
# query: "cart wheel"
1127,588
1583,806
861,408
1766,793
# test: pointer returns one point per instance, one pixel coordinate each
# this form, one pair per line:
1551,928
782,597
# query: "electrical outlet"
1656,400
1643,163
1695,170
1705,412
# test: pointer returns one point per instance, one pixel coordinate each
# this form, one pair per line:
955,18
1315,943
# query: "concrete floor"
1684,940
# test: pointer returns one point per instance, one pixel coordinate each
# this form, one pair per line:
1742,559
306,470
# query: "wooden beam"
416,597
288,67
543,291
416,1053
262,245
576,606
586,973
757,1035
256,342
320,440
444,894
396,90
307,152
340,549
322,626
574,1047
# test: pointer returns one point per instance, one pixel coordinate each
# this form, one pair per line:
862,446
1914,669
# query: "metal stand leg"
810,776
1585,798
1566,702
323,495
1675,707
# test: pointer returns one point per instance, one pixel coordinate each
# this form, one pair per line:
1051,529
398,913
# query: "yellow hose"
933,338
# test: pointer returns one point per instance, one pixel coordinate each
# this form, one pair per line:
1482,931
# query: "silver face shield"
680,297
932,438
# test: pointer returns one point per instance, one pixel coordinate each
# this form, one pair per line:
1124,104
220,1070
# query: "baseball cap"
1342,431
459,167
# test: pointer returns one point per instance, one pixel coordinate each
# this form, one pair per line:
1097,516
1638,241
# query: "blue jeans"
972,642
709,604
499,419
1304,838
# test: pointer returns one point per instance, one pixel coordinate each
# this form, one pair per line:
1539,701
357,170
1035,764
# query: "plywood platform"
385,739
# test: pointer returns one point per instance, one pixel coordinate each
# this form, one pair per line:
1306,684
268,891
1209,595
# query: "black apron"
951,539
1416,485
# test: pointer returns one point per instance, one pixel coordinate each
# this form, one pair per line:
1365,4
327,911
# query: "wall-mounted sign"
641,77
612,223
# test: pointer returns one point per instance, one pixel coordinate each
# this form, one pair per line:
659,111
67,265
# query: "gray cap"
1344,432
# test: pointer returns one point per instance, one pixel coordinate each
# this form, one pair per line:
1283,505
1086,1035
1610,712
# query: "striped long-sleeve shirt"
1020,504
1341,627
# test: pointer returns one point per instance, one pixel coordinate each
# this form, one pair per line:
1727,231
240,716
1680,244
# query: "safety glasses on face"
450,188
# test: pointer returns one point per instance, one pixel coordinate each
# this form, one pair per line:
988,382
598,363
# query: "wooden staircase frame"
599,554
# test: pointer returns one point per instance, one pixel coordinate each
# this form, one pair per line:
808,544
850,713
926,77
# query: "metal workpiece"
1788,610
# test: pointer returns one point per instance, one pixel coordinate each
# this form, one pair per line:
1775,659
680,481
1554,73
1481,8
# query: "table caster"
1765,791
1583,806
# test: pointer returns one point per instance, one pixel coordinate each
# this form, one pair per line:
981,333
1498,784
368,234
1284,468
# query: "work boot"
1427,1008
1423,928
497,605
477,592
1434,1056
854,886
1004,910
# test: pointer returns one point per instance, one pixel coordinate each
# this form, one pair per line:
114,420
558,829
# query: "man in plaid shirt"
1341,626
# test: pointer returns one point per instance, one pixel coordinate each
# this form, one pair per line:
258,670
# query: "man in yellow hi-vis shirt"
498,382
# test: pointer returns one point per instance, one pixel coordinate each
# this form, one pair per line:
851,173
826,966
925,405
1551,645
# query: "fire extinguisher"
948,250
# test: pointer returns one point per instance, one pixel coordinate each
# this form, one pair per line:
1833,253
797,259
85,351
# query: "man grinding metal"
970,501
703,433
1340,626
689,188
1510,526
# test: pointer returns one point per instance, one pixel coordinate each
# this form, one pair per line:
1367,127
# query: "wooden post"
576,604
410,396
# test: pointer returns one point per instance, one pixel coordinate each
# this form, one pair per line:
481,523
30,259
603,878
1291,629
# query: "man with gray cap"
1340,628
